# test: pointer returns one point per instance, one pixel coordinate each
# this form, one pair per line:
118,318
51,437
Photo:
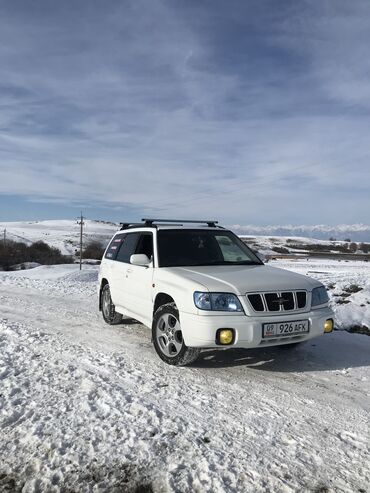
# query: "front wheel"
167,337
110,315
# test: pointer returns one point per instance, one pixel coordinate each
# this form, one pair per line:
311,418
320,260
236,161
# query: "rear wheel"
110,315
167,337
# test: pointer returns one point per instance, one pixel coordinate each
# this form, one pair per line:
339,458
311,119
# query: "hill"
65,235
62,234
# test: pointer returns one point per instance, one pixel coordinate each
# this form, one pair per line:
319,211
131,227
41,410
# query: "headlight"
223,302
319,296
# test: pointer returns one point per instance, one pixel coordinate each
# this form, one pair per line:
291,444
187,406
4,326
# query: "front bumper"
200,331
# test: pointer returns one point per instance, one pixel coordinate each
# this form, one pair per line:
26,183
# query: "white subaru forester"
199,286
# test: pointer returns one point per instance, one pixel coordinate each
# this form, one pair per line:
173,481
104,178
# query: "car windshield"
201,247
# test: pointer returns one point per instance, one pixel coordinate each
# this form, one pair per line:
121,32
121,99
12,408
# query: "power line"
80,221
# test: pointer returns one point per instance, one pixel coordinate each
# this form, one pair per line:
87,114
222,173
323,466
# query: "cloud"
251,114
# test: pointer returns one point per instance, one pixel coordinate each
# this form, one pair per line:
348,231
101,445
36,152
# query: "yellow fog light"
225,336
329,325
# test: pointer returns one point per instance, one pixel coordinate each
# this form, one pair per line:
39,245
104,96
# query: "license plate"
282,329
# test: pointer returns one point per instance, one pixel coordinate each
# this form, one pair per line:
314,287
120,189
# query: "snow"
62,234
89,407
339,277
65,234
266,244
357,232
25,265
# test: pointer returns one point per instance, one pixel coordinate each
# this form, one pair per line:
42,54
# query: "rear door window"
114,246
127,248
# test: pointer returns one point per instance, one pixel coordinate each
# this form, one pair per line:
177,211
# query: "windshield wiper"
215,262
225,262
248,262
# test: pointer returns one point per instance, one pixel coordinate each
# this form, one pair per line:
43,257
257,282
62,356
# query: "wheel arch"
162,299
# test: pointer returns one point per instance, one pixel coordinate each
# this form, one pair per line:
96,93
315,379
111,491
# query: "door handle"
128,271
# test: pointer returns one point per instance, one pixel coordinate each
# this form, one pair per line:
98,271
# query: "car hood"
242,279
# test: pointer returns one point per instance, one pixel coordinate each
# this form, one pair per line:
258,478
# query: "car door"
118,276
138,288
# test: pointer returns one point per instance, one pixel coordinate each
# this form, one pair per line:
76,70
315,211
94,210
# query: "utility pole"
81,223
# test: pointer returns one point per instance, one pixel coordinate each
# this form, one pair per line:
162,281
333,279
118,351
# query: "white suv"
199,286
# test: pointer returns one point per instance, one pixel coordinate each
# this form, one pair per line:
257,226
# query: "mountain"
355,232
65,234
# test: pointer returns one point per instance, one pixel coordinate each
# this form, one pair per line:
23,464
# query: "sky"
245,111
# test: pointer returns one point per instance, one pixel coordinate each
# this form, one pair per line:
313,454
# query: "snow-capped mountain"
355,232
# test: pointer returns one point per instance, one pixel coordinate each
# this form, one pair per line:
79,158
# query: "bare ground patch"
359,329
117,478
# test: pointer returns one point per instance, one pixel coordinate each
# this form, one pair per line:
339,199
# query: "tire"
167,337
110,315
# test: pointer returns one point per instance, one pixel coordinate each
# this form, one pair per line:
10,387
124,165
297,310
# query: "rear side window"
114,246
127,248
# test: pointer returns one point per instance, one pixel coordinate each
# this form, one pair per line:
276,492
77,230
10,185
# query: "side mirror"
140,259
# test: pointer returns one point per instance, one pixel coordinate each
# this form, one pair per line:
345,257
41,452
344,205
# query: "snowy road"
88,407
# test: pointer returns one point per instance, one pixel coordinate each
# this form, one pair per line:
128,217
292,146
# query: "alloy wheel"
169,335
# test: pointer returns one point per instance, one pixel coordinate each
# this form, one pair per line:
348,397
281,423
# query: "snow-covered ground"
348,283
62,234
271,245
86,407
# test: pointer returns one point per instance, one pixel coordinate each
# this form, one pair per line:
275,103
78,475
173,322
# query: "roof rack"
169,222
150,222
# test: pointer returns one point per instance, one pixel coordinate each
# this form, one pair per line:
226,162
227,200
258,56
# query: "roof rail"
130,225
150,222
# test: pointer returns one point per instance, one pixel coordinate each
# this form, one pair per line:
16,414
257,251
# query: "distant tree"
332,239
352,247
348,240
365,247
94,250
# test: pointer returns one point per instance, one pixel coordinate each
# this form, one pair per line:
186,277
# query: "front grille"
278,301
301,299
256,302
272,302
289,300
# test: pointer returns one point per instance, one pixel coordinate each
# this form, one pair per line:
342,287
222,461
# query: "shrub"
281,250
353,288
365,247
94,250
13,252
